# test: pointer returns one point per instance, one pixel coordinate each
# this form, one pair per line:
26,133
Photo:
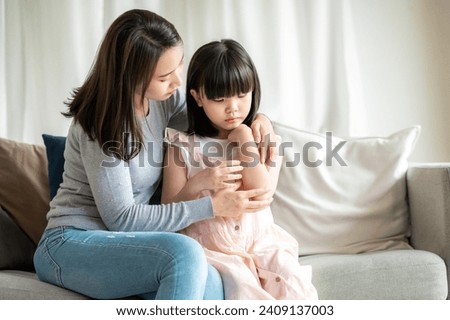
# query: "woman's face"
167,76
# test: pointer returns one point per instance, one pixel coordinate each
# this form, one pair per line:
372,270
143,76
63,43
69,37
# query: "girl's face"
227,113
167,77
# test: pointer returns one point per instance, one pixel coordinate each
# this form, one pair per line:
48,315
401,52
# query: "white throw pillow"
344,195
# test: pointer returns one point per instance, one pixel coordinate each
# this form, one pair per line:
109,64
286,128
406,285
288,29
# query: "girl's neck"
223,135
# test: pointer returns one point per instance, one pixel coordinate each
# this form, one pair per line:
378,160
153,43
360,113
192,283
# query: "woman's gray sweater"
101,192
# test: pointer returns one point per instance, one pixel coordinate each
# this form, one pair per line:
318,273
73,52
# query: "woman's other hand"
264,135
231,203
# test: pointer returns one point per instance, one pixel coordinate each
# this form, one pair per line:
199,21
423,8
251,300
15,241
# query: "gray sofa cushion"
416,275
16,249
22,285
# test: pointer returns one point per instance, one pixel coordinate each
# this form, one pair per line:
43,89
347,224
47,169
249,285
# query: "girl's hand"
230,203
263,133
225,175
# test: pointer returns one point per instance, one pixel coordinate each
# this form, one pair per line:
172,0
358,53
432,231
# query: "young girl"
255,257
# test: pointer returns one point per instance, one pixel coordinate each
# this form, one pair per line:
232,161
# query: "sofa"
371,224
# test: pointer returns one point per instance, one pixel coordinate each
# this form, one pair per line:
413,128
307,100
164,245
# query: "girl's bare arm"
255,173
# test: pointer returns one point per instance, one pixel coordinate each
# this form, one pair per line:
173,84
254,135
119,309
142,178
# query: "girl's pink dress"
256,258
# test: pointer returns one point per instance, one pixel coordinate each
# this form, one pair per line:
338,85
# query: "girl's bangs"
227,80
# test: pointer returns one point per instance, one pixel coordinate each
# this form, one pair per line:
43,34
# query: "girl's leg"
111,265
279,271
239,276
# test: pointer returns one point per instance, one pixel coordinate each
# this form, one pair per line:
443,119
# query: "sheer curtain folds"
304,52
354,67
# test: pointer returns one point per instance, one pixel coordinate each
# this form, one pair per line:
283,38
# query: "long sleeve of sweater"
102,192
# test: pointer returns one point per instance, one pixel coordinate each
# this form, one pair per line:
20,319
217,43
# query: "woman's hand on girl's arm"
176,186
229,203
264,134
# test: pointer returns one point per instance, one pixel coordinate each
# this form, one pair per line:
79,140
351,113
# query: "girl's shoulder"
176,137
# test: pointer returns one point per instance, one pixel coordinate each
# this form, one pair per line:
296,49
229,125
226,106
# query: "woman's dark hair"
125,62
220,69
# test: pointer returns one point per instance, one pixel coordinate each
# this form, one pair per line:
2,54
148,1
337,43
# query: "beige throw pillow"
344,195
24,189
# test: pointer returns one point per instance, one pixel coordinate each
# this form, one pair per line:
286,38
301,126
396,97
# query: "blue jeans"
113,265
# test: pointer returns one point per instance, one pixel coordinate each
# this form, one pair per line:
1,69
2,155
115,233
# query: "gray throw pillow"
16,249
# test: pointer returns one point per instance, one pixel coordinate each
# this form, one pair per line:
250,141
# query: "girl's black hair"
220,69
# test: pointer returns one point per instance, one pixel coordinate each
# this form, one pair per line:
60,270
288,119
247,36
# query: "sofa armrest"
429,201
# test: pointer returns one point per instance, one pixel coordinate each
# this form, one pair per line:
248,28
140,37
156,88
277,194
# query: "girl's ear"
196,97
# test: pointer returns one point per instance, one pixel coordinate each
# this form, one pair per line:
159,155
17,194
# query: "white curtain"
304,51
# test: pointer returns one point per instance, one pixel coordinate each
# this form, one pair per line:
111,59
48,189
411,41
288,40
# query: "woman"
103,238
